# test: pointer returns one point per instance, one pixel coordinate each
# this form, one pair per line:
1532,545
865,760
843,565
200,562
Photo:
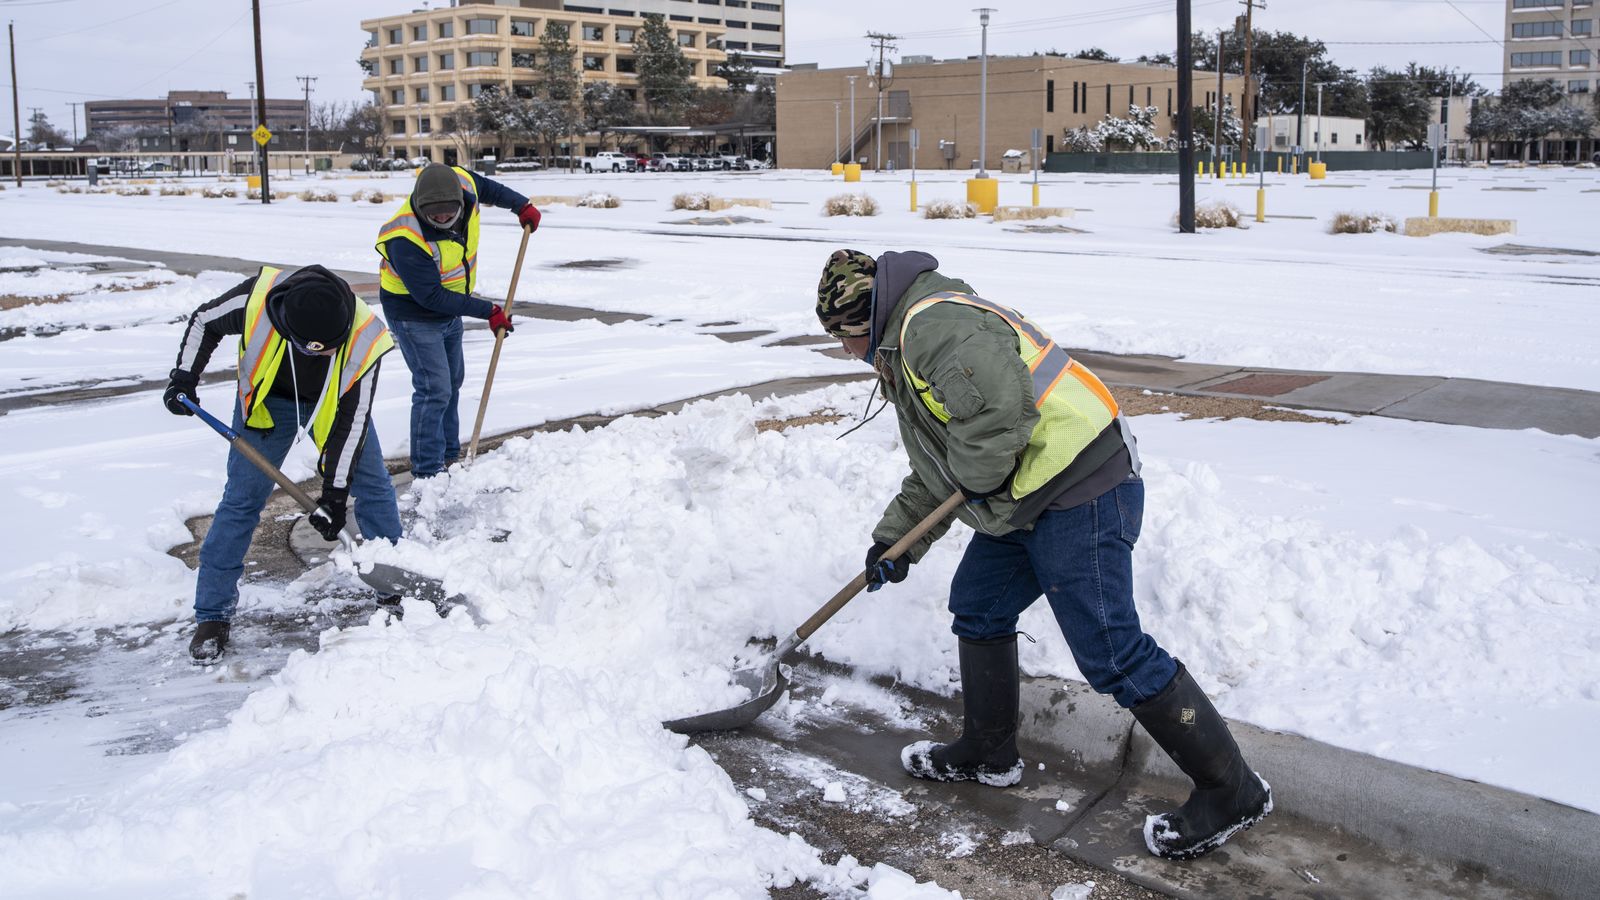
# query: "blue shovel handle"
215,423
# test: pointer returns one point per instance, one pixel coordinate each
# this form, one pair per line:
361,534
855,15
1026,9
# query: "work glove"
328,518
184,383
499,321
883,571
979,496
529,215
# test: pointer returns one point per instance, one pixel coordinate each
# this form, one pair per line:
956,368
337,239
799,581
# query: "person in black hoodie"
309,358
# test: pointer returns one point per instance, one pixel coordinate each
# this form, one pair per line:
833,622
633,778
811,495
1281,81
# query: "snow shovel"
494,358
767,678
387,580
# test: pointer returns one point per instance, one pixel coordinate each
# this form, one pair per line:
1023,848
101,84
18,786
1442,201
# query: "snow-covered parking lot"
1427,593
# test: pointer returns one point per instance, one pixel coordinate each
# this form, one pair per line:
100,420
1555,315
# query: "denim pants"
432,350
1081,559
216,591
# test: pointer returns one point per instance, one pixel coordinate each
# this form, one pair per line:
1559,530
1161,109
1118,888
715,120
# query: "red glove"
529,216
500,320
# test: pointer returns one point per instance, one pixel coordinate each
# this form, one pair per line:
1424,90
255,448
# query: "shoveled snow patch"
889,883
1073,891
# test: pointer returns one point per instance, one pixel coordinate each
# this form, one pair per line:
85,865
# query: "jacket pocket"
953,388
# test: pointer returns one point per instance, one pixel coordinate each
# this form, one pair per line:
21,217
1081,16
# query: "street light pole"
1300,125
1319,121
306,80
983,93
836,131
852,80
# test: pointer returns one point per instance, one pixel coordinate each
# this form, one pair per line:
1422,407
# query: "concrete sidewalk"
1422,398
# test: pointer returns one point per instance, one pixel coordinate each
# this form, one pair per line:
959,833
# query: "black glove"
881,572
974,496
180,382
328,519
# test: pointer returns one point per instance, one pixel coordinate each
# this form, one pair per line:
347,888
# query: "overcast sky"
76,50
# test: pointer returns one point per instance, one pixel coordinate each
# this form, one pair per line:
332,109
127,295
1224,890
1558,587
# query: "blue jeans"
216,591
432,350
1081,559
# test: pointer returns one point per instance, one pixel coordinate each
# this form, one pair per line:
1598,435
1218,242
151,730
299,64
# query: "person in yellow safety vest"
427,270
990,406
309,354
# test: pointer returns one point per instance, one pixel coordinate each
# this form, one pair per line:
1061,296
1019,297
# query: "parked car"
156,166
699,162
361,164
672,162
608,161
641,162
731,161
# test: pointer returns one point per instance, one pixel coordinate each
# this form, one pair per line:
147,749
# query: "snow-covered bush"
692,201
1516,164
850,205
255,194
174,191
133,190
1081,140
370,195
1136,132
949,209
52,183
1586,165
1216,214
319,195
1362,223
217,191
599,200
70,189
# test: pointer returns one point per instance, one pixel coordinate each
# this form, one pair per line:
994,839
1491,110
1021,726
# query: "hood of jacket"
896,271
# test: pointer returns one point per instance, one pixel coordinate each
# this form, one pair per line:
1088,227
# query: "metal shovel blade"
766,682
389,580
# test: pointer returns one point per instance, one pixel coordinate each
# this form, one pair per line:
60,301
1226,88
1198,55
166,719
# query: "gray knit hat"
439,188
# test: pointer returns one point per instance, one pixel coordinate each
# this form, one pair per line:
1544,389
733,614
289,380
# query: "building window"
396,35
1108,99
474,91
560,30
483,26
1333,138
1049,144
419,64
1358,137
447,93
685,39
397,96
735,4
1169,101
706,21
522,28
372,39
1050,95
422,95
623,12
626,34
397,67
767,7
1530,60
1578,87
677,18
765,26
736,45
419,32
1130,95
594,32
1580,58
569,7
524,59
1148,93
1548,28
712,2
424,125
766,48
1536,4
447,29
397,126
447,60
732,23
1582,26
627,65
483,58
594,63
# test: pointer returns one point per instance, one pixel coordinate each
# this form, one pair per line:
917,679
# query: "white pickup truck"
608,161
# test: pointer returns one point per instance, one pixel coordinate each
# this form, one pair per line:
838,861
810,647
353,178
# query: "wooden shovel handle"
849,591
499,338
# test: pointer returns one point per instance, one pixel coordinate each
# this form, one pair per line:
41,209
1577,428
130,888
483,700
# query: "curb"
1538,844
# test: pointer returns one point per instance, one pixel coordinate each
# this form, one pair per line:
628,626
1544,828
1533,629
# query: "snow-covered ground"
1427,593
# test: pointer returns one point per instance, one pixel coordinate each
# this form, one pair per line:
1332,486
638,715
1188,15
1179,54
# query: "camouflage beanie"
844,295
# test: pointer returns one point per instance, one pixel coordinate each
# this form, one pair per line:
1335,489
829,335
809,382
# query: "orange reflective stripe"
1094,384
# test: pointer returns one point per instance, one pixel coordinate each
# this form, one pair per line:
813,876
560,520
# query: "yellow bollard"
1036,193
1261,204
1280,165
913,196
1296,165
983,193
1433,204
836,169
252,182
852,171
1244,170
1318,171
1201,168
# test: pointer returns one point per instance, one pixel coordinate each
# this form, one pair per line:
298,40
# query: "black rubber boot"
987,749
210,641
391,605
1227,797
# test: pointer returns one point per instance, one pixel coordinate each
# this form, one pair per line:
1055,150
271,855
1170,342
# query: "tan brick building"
426,64
940,100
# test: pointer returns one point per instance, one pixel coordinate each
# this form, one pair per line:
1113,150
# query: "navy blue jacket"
429,300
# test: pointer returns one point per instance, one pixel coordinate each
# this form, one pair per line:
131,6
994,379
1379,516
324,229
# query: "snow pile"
58,282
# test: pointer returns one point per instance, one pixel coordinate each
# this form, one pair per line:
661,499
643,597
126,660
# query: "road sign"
1435,136
916,139
262,135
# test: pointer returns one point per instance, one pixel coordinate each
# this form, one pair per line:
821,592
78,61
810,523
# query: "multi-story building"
754,29
426,64
196,121
1555,39
940,100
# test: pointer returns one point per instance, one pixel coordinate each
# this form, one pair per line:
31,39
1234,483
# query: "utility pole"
305,81
16,109
1300,124
1185,121
983,93
852,80
881,43
75,105
261,100
1216,120
1247,109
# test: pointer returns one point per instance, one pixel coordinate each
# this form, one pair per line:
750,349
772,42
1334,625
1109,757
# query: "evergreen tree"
737,73
663,70
1400,108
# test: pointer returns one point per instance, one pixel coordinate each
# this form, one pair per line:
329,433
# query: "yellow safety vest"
457,264
262,351
1074,406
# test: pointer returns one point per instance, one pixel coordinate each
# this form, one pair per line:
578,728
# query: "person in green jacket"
988,405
